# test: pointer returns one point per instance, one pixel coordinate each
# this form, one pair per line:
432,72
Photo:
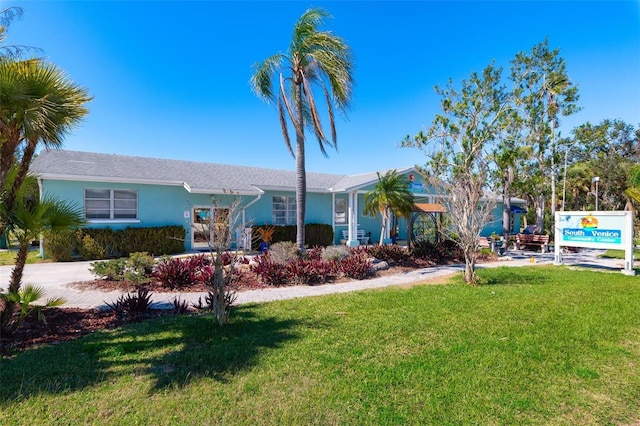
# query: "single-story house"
121,191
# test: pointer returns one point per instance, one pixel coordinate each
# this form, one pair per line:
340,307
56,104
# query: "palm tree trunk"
7,325
18,268
301,174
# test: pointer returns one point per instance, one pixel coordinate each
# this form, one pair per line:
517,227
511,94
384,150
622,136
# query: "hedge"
316,234
98,243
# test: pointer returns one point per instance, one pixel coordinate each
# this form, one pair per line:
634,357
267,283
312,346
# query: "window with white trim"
284,210
340,211
109,204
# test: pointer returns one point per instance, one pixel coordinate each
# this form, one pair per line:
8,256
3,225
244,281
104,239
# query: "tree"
543,92
609,150
458,165
390,195
314,59
39,105
27,218
7,16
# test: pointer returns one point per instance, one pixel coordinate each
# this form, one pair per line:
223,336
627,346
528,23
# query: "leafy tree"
391,194
314,59
543,92
609,150
455,145
39,105
27,218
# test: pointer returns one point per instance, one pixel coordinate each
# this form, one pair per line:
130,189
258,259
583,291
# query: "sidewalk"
56,277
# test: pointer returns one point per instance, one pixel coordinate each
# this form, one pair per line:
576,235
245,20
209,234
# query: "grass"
619,254
534,345
8,257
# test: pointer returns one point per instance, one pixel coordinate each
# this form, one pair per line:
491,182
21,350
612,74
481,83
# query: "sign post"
599,229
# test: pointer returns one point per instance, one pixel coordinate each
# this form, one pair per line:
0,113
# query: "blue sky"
171,79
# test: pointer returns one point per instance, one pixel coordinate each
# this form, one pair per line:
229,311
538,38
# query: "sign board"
601,230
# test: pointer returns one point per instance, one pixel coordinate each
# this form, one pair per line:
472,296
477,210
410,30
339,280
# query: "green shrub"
318,235
61,245
112,270
159,240
315,234
90,249
105,238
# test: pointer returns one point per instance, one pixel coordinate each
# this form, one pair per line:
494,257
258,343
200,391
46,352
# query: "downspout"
39,180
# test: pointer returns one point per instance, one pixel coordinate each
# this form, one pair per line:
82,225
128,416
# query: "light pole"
596,180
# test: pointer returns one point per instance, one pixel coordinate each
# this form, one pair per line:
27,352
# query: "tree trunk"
539,202
301,174
7,325
470,265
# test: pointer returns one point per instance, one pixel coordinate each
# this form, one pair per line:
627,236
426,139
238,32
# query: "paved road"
57,277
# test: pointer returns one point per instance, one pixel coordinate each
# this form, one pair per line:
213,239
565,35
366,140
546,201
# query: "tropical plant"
7,16
314,58
22,304
25,221
390,194
39,105
633,190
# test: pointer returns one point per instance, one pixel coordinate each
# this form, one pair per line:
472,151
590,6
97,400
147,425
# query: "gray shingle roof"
195,176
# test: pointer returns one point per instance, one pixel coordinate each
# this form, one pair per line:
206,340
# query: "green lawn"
534,345
619,254
8,257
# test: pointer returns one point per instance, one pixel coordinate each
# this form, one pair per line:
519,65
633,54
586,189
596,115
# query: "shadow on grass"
172,350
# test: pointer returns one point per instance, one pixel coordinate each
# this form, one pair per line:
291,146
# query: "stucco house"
119,191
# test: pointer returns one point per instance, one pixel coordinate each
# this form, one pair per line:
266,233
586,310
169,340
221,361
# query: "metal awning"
429,208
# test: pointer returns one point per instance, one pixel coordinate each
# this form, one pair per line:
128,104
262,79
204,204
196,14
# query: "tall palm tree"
27,218
39,105
314,59
390,195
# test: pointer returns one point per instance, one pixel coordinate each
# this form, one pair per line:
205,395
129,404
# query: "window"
341,211
110,204
284,210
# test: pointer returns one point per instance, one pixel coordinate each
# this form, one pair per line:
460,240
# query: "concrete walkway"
57,277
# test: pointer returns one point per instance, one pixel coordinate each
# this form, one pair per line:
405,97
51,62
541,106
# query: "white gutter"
245,207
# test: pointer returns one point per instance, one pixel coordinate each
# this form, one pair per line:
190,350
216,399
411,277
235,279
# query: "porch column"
353,220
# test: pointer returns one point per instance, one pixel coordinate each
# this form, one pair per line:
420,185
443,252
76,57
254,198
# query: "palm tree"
27,219
7,16
390,195
314,59
39,105
633,191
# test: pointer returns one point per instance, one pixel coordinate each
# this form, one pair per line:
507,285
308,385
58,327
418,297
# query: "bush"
139,267
175,273
388,253
159,240
112,270
61,245
440,252
269,272
90,249
357,266
283,252
318,235
315,234
335,253
310,271
132,307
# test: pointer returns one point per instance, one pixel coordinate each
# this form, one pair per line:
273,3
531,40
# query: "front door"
201,228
